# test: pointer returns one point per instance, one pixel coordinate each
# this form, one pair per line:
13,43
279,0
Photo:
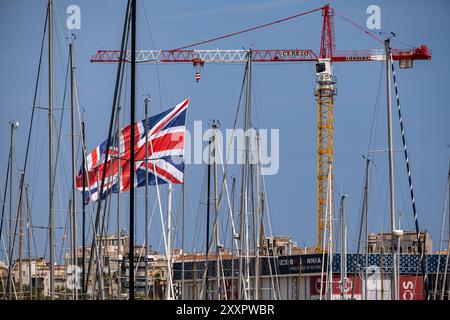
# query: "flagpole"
132,144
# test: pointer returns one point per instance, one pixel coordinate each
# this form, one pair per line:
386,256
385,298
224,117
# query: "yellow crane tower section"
325,93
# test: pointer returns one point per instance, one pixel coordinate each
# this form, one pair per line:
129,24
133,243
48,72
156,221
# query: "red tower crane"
325,89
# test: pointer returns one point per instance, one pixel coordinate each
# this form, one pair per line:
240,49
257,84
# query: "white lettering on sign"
408,293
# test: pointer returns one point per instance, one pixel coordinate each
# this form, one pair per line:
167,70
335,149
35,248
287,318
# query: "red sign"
410,288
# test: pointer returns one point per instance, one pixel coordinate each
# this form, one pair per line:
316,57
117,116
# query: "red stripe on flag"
171,117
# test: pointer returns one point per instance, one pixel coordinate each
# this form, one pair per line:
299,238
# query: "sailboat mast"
343,253
382,270
261,249
83,222
119,187
256,232
243,229
208,199
216,209
132,145
50,153
28,225
233,192
146,103
73,207
21,238
330,238
183,213
366,217
14,125
446,270
394,283
169,289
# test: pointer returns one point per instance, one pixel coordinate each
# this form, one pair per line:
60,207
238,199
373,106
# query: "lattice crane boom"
276,55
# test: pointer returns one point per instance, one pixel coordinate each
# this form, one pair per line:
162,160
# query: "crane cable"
248,30
365,30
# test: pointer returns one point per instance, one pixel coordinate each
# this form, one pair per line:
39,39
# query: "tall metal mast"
50,153
343,253
21,237
132,144
208,199
28,226
394,283
216,208
446,269
243,229
119,186
14,125
83,223
261,248
183,212
366,218
255,218
169,288
73,207
233,192
146,102
330,234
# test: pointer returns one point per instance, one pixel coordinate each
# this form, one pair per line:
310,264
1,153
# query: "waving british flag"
164,133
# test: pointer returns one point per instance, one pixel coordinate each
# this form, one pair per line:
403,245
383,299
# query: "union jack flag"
165,136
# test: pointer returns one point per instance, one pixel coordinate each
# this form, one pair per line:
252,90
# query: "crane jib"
272,55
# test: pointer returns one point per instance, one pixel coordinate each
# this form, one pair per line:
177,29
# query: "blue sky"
282,98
